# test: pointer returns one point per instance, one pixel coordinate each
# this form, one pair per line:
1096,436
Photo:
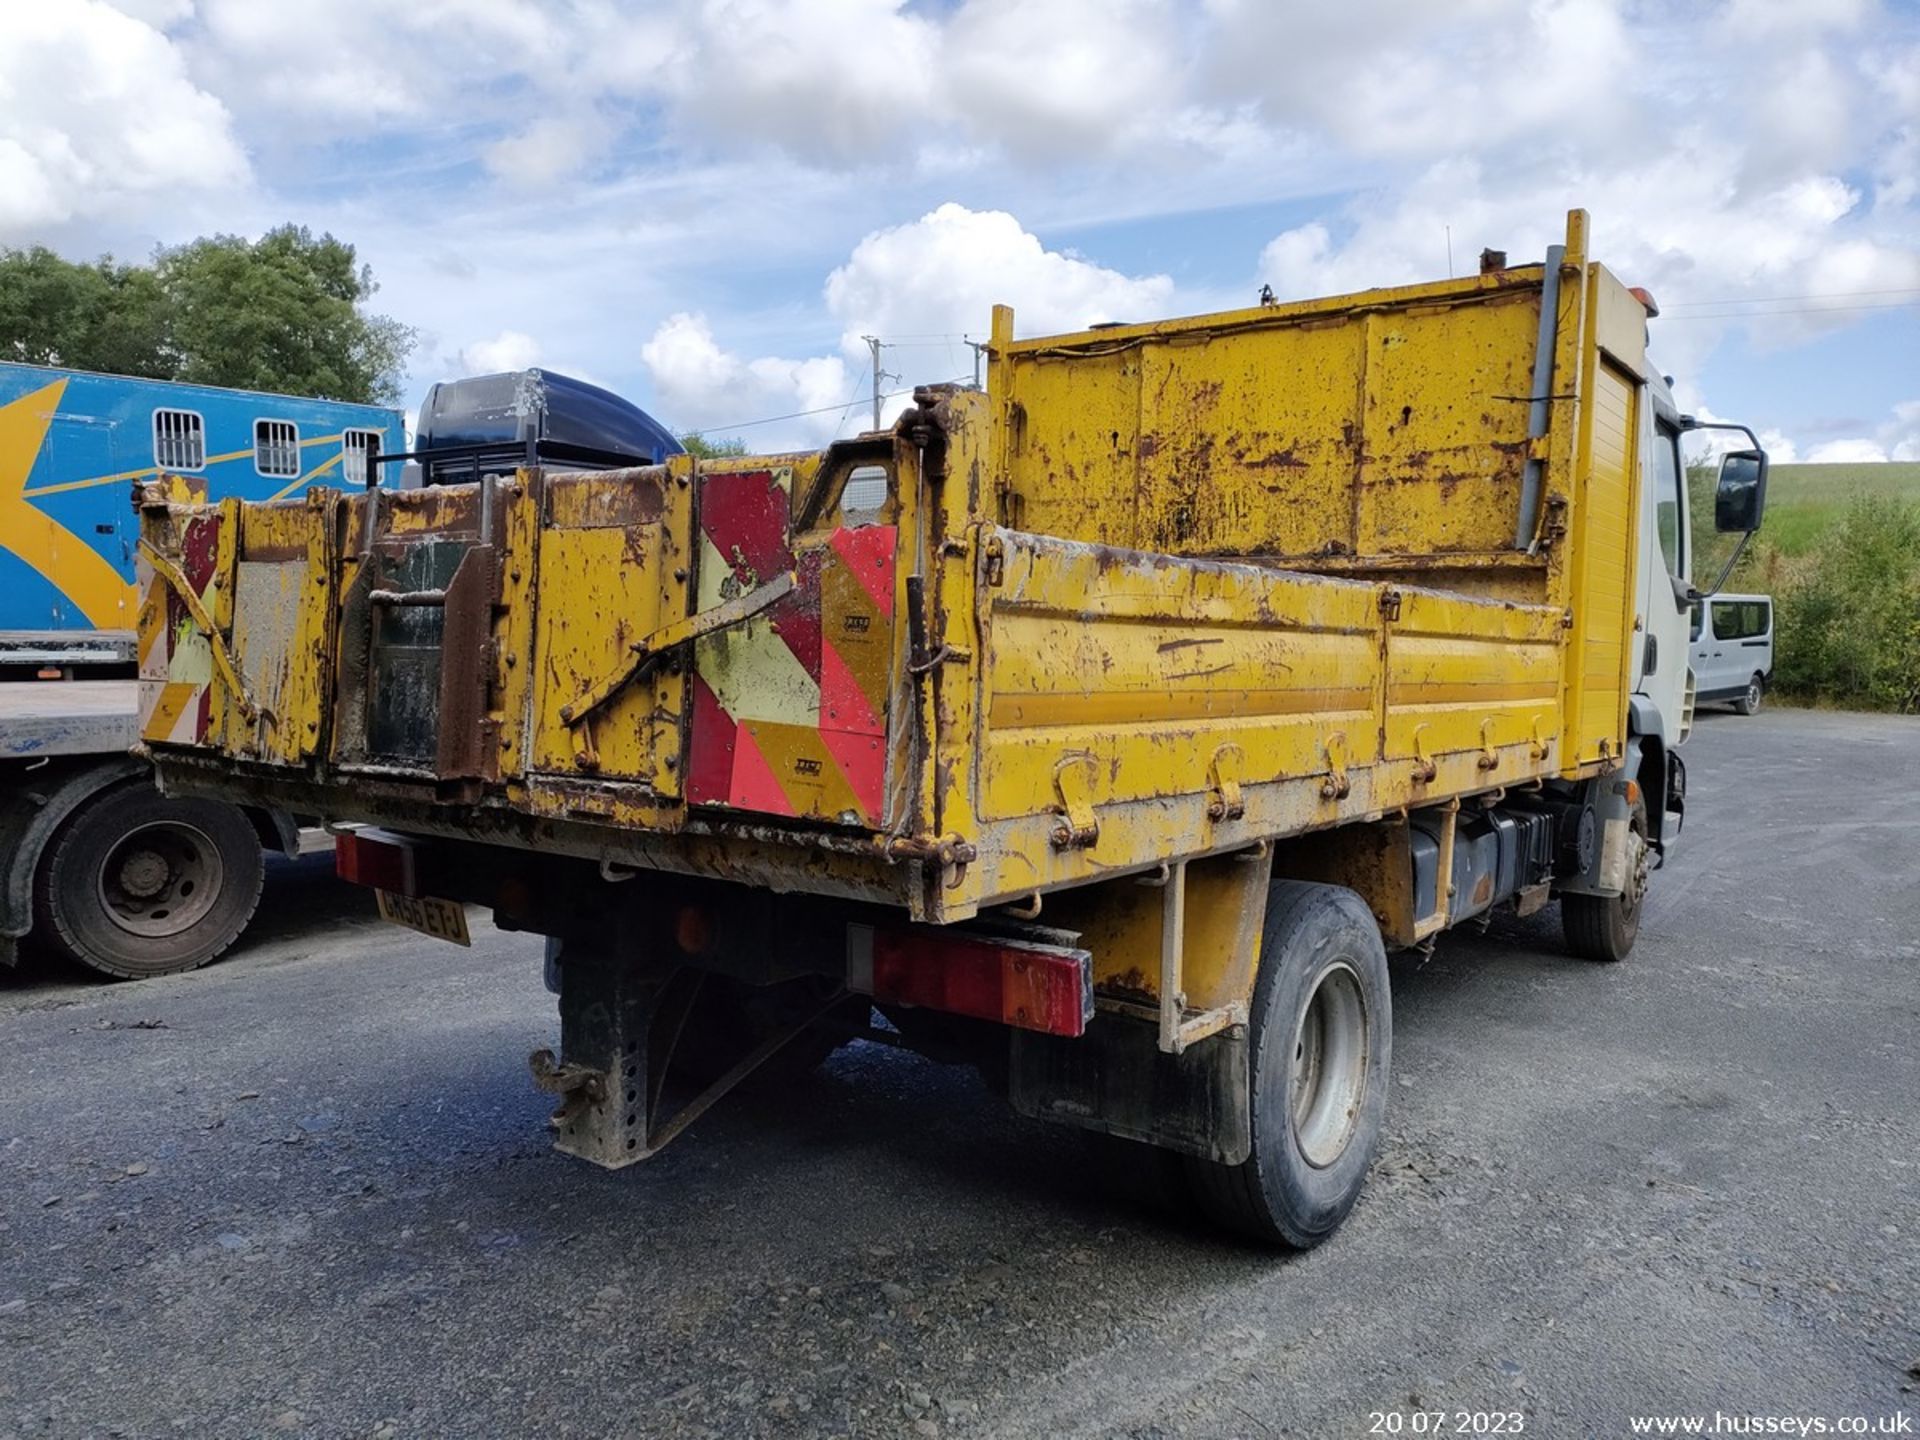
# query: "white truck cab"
1665,685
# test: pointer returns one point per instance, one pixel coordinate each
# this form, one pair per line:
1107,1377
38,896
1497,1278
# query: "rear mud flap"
1116,1079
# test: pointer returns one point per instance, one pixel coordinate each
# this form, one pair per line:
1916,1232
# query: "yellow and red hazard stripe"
790,708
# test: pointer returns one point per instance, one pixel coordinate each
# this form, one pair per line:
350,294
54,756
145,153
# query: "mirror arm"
1689,422
1739,549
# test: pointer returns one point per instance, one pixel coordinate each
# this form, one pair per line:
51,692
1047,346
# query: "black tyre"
1322,1045
136,885
1604,927
1749,703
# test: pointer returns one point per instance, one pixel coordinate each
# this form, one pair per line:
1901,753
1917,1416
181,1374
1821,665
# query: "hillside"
1803,500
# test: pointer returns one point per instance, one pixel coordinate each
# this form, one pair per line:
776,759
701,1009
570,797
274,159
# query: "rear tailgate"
620,646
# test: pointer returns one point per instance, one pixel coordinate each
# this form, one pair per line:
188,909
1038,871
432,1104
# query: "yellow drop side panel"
1382,431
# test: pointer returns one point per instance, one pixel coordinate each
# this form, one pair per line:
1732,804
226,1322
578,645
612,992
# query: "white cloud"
356,65
157,13
980,257
509,350
1065,78
944,272
1676,220
98,118
1898,438
1791,18
691,157
1846,452
550,149
1902,433
1406,77
841,82
704,387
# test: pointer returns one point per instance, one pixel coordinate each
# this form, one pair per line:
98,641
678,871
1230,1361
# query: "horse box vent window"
357,449
276,447
179,440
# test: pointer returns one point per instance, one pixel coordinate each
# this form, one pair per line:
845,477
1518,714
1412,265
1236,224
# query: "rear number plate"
428,914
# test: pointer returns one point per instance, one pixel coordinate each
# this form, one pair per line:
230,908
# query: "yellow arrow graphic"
74,567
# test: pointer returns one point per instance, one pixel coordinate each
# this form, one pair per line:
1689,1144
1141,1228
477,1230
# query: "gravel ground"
308,1192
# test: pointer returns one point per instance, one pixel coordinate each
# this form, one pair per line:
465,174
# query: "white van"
1733,650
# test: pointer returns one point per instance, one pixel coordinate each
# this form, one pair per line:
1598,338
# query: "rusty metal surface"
1164,592
467,743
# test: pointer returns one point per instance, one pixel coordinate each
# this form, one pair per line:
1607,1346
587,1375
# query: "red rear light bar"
1023,983
376,858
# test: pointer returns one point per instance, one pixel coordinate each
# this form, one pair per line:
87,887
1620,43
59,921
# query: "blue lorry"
94,861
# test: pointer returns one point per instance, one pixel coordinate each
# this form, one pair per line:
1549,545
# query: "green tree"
282,313
699,445
104,316
1848,615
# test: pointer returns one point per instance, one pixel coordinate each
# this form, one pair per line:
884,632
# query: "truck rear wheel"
136,885
1322,1041
1604,927
1749,703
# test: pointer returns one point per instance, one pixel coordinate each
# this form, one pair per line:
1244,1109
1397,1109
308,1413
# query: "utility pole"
879,375
979,348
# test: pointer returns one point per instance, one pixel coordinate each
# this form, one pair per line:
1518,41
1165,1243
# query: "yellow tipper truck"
1106,728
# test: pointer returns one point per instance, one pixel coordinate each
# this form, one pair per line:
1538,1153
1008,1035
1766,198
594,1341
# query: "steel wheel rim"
1639,868
160,879
1753,695
1328,1082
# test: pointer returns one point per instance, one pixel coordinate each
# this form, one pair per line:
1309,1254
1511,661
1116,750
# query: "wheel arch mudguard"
33,805
1651,759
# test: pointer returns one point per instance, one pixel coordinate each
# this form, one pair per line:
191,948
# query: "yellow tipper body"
1160,593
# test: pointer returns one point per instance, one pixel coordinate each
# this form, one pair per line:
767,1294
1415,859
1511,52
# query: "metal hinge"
1390,604
995,551
1074,797
1336,786
1227,803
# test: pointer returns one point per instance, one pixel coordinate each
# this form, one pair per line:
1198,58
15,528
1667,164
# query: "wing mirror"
1739,497
1740,494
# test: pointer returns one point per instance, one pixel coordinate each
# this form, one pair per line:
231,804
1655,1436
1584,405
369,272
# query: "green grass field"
1803,500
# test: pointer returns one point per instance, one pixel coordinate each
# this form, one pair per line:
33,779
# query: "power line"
852,400
1771,299
822,409
1794,310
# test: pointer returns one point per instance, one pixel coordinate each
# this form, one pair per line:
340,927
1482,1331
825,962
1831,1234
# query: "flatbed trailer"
1107,726
76,717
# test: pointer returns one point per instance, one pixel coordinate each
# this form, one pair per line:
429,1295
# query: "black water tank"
487,422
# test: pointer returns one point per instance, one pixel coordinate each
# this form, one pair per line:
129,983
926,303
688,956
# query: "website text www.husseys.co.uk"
1721,1422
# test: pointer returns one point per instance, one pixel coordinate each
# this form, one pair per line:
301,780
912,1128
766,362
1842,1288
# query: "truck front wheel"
1321,1045
136,885
1604,927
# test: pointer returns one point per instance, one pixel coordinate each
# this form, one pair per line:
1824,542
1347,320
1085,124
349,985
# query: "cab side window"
1669,500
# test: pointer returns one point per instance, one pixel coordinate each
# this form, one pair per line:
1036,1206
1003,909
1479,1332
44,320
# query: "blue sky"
705,203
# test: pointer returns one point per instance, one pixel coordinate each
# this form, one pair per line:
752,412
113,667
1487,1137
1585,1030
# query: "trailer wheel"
1749,703
1322,1043
1604,927
136,885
